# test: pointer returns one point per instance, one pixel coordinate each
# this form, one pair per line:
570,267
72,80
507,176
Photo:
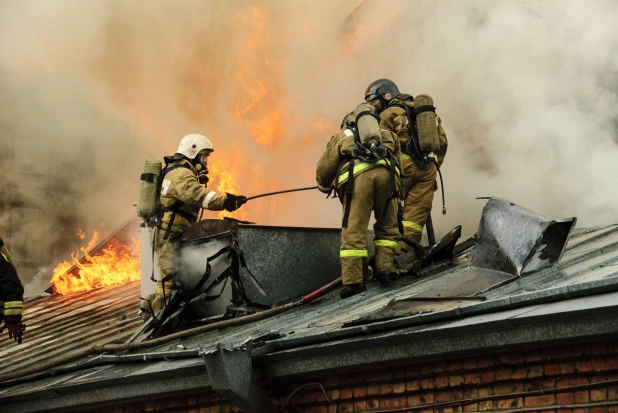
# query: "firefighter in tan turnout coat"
419,184
182,196
372,192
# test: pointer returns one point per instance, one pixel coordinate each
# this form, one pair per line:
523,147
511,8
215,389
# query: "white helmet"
193,144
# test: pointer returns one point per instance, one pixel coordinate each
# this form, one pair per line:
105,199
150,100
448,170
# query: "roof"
462,309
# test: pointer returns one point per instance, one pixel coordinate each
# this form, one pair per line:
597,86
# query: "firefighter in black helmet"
419,181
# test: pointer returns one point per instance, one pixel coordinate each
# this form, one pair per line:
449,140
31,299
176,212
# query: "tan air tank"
426,125
148,202
367,125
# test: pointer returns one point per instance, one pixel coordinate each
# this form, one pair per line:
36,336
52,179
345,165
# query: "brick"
346,407
413,385
385,375
535,371
316,409
320,397
456,380
443,397
469,364
538,401
597,379
455,365
441,382
613,362
572,381
516,358
599,349
426,369
373,403
399,388
349,379
440,367
413,371
474,407
159,405
583,366
597,410
567,368
399,373
562,353
486,405
552,369
581,350
612,393
331,381
359,392
582,397
600,365
360,405
533,356
488,378
485,362
471,393
335,394
373,390
505,388
472,379
503,374
597,395
509,403
215,409
565,398
347,393
519,373
612,409
415,400
386,388
427,384
503,358
486,391
204,409
191,401
308,398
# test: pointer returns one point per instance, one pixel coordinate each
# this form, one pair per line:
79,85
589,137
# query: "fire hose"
106,348
308,188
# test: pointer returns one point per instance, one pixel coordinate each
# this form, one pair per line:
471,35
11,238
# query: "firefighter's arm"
327,166
443,142
185,187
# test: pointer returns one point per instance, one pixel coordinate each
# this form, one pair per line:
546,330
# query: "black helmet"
382,88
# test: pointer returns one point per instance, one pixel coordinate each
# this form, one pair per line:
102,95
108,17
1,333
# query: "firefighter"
11,295
183,194
419,183
371,190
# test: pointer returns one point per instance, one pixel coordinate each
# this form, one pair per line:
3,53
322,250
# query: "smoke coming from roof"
526,90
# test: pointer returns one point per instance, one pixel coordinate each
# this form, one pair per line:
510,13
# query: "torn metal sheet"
516,240
410,306
443,250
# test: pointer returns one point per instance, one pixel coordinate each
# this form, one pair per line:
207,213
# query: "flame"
116,263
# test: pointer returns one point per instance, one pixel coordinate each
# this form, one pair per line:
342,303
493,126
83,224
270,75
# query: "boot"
351,290
386,277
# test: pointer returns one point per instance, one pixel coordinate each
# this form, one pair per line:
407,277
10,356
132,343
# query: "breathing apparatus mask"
200,163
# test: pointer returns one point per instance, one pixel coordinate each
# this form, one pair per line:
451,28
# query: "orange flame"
117,263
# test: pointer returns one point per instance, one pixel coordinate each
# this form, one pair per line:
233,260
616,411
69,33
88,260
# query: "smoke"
526,90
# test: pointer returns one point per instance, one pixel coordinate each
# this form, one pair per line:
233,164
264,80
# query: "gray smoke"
526,90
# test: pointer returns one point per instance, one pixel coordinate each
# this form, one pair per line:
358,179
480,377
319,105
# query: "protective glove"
233,202
15,330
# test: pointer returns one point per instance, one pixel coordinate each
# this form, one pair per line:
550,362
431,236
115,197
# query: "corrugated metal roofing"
59,325
590,255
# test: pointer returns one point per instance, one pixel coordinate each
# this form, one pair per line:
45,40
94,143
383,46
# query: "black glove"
233,202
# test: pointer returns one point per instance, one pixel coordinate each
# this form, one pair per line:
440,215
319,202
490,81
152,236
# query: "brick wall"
543,379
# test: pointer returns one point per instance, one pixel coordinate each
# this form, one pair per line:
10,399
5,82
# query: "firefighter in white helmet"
183,194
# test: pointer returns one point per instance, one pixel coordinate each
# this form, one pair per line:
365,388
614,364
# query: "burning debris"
98,264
